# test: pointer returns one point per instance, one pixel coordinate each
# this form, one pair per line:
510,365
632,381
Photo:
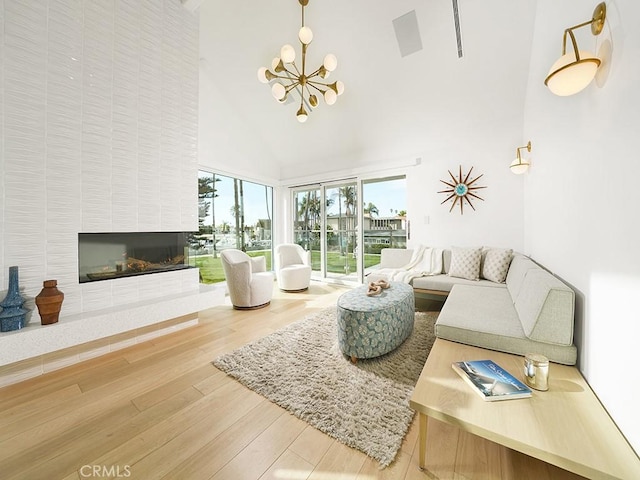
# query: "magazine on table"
491,381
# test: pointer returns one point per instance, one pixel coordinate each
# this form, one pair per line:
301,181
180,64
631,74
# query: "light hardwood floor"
160,409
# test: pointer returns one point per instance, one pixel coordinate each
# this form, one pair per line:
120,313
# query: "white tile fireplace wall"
98,122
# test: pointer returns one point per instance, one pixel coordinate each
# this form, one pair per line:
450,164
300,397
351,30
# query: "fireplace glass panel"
105,256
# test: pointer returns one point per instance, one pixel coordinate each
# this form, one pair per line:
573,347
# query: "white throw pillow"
465,263
496,264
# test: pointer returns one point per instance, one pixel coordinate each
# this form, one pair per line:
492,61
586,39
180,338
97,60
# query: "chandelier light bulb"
287,54
330,62
330,96
262,75
305,35
275,63
313,101
339,87
278,91
301,115
323,72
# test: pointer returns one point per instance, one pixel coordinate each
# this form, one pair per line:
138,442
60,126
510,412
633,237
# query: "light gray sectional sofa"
531,311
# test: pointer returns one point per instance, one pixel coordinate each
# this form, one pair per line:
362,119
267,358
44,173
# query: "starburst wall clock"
461,190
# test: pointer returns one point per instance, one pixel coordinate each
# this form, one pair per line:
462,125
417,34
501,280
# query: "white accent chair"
293,267
250,285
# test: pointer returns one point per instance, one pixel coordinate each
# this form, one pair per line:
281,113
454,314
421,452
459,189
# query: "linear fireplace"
105,256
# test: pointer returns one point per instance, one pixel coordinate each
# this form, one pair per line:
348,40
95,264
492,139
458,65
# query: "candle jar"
536,371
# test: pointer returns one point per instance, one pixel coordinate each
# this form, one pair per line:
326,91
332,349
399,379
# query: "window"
329,219
384,217
232,213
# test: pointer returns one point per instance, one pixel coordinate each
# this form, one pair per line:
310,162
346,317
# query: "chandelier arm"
297,72
313,84
317,82
304,55
316,72
284,77
291,87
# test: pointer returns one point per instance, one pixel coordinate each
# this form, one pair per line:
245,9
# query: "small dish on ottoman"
370,326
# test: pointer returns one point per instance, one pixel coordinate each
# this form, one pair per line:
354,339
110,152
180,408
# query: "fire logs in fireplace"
104,256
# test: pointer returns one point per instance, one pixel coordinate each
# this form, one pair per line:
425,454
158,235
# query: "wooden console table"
565,426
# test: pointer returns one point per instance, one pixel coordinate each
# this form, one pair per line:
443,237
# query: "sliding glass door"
384,221
307,230
341,231
345,235
326,224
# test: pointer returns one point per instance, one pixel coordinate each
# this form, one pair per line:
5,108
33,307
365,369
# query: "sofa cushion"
496,264
446,260
517,270
545,306
444,283
465,263
485,317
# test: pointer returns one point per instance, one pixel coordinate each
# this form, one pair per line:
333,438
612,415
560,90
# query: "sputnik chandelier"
290,77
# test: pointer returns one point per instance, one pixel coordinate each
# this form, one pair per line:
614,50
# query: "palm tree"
238,212
371,209
207,190
349,194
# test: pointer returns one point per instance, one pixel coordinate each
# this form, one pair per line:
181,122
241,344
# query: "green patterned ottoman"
372,326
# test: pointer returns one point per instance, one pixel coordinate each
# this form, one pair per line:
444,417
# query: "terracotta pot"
49,302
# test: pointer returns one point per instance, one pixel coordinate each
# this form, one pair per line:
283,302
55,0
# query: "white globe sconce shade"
569,76
519,166
575,69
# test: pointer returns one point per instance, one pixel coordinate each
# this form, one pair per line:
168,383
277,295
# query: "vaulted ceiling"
393,106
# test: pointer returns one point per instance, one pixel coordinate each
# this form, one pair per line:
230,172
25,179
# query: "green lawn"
211,268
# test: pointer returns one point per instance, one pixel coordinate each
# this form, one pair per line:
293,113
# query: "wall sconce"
518,166
573,71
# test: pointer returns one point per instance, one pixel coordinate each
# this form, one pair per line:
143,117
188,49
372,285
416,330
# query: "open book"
490,380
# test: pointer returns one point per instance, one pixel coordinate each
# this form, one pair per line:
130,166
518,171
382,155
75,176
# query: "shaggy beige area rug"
302,369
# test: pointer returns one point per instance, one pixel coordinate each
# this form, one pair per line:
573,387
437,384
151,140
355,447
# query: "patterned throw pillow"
496,264
465,263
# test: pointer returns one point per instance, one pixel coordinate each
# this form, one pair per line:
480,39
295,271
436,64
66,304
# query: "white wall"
582,195
225,143
498,219
98,119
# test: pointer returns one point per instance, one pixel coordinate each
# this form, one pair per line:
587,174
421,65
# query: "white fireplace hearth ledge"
35,340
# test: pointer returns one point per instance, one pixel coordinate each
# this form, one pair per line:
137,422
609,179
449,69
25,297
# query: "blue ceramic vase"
12,316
